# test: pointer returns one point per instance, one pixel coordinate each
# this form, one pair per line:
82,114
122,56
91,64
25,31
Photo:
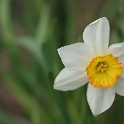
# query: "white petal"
118,51
100,99
96,35
76,56
119,86
70,80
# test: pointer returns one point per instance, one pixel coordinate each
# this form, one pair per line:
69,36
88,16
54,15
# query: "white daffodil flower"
93,62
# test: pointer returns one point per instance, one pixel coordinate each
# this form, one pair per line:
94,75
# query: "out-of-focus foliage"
30,33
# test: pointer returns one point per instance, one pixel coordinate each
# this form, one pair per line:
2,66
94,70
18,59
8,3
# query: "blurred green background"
30,33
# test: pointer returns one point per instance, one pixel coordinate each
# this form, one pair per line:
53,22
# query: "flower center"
103,71
101,67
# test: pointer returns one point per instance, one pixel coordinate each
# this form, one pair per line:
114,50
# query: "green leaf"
8,33
43,24
35,49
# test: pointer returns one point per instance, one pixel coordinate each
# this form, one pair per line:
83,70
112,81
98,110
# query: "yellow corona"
103,71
